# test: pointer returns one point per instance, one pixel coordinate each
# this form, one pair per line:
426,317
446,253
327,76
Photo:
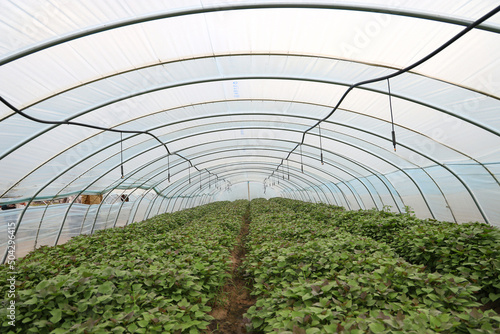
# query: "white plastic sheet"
230,87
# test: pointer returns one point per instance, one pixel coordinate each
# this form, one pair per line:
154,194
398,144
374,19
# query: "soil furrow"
236,298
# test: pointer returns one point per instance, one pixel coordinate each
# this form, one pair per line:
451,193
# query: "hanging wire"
168,167
121,153
91,126
320,144
301,161
392,117
399,72
189,171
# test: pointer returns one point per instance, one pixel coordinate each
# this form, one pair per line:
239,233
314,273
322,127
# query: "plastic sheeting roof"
220,94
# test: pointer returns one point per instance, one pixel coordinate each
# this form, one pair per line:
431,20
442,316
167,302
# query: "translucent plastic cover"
172,104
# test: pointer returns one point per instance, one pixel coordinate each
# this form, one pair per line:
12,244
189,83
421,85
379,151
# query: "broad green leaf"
143,323
82,306
132,328
199,266
256,322
435,321
59,331
106,288
56,315
32,301
376,327
493,296
42,285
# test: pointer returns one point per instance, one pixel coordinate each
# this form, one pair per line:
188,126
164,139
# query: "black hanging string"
320,145
301,161
200,179
168,167
209,179
189,171
392,117
121,153
282,169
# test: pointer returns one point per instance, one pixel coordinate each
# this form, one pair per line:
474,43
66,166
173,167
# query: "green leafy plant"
315,276
156,276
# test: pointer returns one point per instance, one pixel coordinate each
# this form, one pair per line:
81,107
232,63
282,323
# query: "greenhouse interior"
316,155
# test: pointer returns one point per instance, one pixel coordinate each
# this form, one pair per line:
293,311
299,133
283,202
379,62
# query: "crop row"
311,276
157,276
470,250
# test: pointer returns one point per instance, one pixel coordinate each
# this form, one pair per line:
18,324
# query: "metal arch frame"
407,175
462,182
418,153
194,82
465,185
191,120
163,180
97,212
376,173
154,173
233,78
357,8
94,153
305,117
205,10
316,178
370,153
327,173
279,149
113,144
238,114
332,152
278,78
470,192
224,55
395,166
194,184
139,154
297,176
182,186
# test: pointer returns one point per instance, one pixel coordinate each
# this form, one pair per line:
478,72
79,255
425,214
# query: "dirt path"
237,299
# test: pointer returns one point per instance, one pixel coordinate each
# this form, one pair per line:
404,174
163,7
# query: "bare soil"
236,298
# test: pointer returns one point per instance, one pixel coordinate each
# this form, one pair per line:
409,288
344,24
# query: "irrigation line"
91,126
399,72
